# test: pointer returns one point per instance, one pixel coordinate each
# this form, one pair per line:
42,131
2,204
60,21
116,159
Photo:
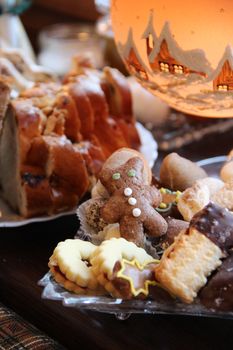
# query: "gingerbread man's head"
127,175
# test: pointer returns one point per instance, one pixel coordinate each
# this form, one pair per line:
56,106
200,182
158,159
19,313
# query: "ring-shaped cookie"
70,265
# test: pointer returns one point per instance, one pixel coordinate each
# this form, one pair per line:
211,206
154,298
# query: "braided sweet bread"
55,138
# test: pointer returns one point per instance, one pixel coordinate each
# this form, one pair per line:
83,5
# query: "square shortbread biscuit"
187,263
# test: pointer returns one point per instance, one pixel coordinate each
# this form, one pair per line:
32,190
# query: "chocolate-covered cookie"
196,253
216,223
218,293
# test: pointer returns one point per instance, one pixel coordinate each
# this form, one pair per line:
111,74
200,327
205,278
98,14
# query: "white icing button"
132,201
128,191
136,212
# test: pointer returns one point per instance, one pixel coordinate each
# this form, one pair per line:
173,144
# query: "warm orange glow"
203,26
195,24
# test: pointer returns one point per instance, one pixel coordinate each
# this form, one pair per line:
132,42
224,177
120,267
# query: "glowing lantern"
180,50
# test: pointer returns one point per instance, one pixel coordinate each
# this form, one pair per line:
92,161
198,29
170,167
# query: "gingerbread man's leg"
155,224
132,230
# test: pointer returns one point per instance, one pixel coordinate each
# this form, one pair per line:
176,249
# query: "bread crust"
67,132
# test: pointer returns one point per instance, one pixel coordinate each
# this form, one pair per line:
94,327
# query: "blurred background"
57,24
44,13
61,29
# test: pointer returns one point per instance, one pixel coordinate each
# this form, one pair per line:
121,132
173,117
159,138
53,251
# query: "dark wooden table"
24,253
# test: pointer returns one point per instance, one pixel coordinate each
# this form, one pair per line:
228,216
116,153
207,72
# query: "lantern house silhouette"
132,58
180,62
223,75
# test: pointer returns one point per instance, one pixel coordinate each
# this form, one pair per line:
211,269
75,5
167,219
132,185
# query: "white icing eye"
132,201
136,212
128,191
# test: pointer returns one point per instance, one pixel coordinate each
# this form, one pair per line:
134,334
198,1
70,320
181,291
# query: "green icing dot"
116,176
131,173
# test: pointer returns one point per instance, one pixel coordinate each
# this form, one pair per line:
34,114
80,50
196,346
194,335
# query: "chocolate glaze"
218,293
216,223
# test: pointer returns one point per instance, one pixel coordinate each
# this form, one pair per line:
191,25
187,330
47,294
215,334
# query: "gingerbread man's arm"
153,195
155,224
110,212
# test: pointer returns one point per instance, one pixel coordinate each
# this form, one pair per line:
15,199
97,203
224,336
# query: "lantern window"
222,87
178,69
164,67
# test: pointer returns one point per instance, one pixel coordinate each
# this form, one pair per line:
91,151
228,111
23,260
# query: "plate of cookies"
149,245
57,135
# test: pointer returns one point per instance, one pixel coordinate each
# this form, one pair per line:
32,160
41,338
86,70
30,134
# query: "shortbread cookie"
196,252
224,197
70,266
192,200
72,286
124,269
185,265
212,183
195,198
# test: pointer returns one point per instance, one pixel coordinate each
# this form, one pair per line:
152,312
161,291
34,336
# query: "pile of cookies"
132,217
117,267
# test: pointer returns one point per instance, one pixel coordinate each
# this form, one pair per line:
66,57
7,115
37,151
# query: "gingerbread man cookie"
131,202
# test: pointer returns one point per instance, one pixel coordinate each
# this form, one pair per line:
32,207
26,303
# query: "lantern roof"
193,59
227,56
